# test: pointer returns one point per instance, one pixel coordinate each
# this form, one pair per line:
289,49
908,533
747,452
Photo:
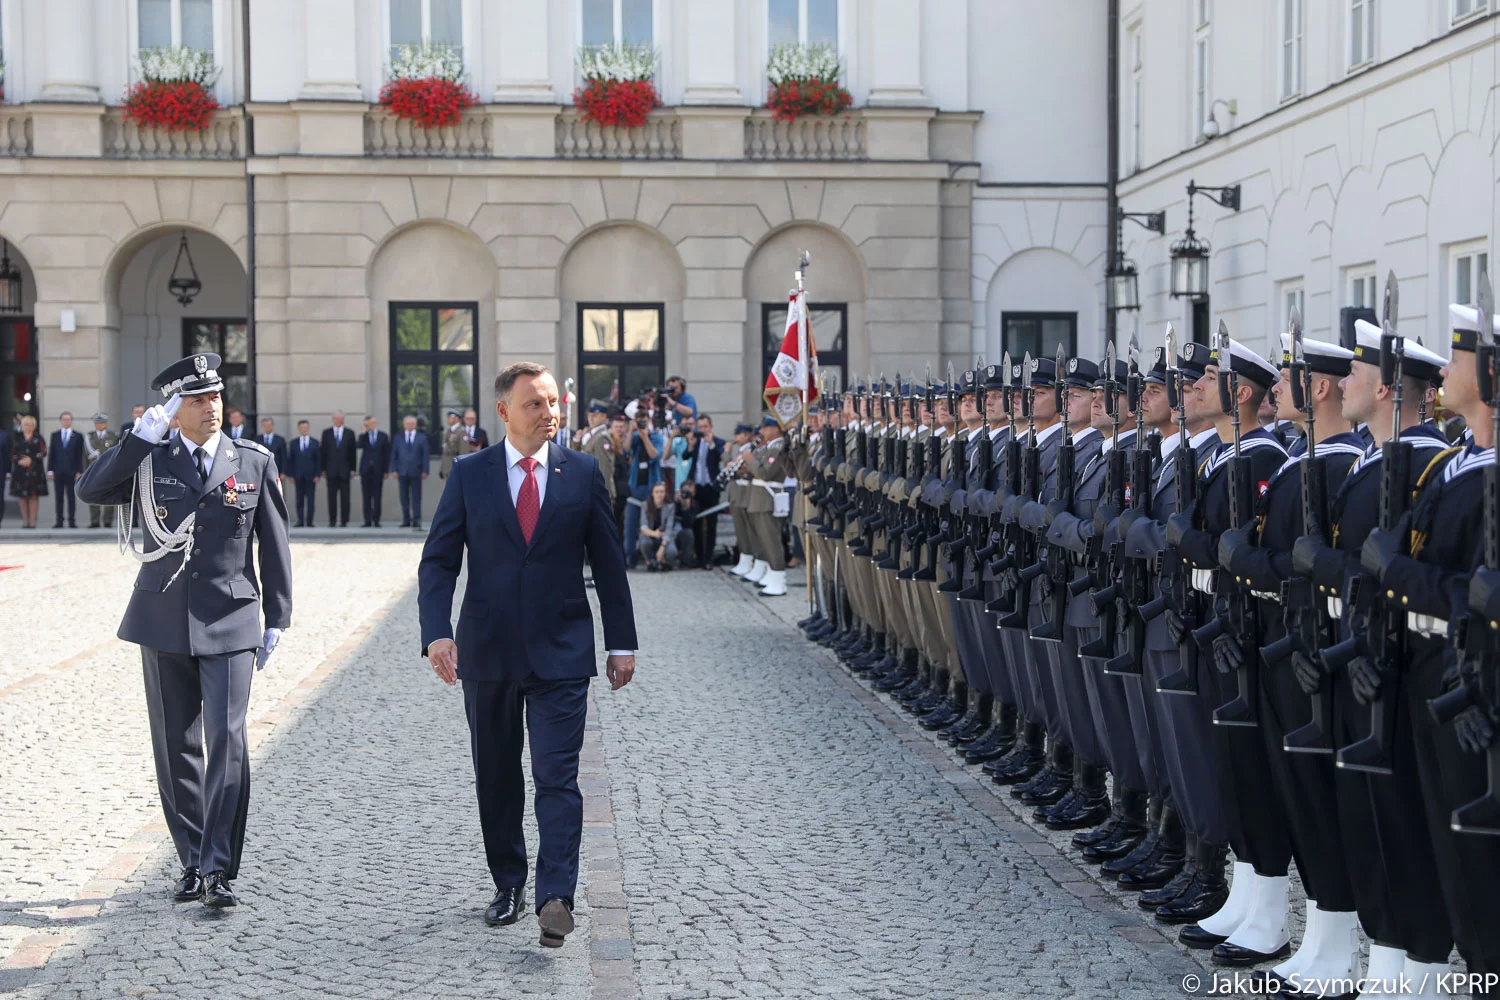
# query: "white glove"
153,424
267,647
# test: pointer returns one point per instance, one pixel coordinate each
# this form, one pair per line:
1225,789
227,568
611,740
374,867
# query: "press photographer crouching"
662,535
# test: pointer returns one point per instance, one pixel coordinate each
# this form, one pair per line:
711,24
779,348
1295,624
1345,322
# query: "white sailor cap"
1321,356
1418,362
1245,362
1466,326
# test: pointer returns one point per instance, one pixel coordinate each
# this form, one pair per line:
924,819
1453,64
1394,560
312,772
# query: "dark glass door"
434,363
828,324
229,340
1039,333
620,352
18,370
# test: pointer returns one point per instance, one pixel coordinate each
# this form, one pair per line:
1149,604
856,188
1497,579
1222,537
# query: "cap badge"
200,363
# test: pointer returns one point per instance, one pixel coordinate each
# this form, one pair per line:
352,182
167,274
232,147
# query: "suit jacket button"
197,552
195,576
203,506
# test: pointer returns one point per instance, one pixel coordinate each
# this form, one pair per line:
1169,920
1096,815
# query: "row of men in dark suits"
1156,624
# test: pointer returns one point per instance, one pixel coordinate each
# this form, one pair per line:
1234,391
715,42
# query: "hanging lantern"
1122,287
1190,267
184,287
10,282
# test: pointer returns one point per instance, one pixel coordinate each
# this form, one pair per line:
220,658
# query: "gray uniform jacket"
1033,516
214,606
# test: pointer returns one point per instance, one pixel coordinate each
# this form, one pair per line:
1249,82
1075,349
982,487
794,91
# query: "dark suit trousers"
411,497
307,494
553,713
706,529
63,490
338,500
369,495
192,701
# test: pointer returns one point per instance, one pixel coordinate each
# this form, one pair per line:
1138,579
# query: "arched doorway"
157,329
18,345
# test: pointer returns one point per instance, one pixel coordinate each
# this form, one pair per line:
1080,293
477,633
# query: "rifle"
999,531
1054,560
952,533
1386,636
1479,628
1176,580
1100,562
979,548
1133,588
1019,548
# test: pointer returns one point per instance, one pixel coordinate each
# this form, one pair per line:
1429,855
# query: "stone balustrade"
659,139
15,132
387,135
221,140
815,137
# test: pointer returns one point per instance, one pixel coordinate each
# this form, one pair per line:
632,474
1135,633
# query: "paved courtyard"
757,824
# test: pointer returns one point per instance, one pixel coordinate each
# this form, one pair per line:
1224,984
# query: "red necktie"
528,502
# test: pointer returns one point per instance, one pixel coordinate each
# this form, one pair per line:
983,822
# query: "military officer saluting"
197,606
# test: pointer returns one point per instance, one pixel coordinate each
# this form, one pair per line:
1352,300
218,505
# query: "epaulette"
253,445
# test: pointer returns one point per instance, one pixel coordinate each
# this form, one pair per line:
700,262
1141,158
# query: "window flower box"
617,88
805,81
173,94
425,85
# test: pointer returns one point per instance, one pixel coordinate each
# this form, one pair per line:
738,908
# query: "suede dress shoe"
216,892
189,888
556,918
506,907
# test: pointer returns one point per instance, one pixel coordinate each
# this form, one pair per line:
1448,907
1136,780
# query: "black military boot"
951,708
811,621
914,693
971,711
907,668
978,722
1087,838
1129,831
1207,893
996,741
863,663
1027,759
1167,860
936,694
1125,862
1153,898
1089,805
1049,787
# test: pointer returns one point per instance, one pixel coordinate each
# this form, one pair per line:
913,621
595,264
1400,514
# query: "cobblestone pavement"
756,824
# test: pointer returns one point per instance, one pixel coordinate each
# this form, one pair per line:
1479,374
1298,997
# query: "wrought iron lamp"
1190,254
1122,285
184,288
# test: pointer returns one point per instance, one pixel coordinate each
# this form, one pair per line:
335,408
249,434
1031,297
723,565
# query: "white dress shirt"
411,437
211,447
517,477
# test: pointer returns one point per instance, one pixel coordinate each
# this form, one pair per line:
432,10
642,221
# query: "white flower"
790,62
441,60
616,62
178,64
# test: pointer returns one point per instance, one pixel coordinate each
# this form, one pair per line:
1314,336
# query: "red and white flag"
792,385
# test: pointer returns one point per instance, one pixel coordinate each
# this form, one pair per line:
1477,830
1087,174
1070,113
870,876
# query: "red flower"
791,99
429,102
622,103
171,107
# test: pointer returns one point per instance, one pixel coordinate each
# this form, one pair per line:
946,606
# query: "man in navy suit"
64,466
304,466
528,511
374,465
707,453
273,442
339,461
409,456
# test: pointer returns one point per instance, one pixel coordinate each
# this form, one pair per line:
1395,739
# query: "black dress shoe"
216,891
1205,894
1194,936
1233,956
556,918
189,888
506,907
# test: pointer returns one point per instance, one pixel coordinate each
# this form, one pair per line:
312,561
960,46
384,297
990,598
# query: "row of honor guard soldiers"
1075,571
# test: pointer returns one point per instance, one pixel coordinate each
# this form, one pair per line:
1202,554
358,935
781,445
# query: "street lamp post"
1190,254
1122,284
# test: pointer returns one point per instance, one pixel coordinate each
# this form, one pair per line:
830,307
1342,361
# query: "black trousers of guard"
307,494
971,651
1039,672
1387,844
1109,711
1468,863
706,529
1073,696
369,496
196,706
1304,783
1194,769
338,500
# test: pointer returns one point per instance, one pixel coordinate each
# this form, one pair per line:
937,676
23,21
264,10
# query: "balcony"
820,137
389,136
125,140
659,139
15,132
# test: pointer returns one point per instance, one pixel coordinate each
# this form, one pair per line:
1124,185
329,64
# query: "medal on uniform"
161,513
231,491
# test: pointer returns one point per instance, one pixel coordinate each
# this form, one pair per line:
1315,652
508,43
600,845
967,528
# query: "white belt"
1202,580
1335,607
1266,595
1428,626
773,487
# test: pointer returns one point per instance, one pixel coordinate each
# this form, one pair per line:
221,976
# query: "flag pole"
803,262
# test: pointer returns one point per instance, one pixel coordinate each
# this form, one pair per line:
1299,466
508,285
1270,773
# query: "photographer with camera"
644,447
679,400
705,457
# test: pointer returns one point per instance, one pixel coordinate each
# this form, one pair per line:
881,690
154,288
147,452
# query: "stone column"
711,47
896,53
68,29
525,70
332,65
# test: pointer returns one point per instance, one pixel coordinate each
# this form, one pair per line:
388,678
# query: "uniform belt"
1202,580
1336,607
1266,595
1428,626
774,487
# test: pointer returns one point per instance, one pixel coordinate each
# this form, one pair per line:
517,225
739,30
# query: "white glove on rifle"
153,424
267,647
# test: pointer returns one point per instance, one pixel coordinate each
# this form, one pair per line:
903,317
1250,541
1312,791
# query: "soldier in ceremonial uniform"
597,442
455,443
197,606
94,446
764,475
735,494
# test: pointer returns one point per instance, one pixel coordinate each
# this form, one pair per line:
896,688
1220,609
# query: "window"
166,23
1137,98
619,350
18,371
1291,48
615,22
1038,332
1361,32
1202,98
434,362
827,325
228,339
803,22
1291,298
1463,9
1466,263
1362,288
416,21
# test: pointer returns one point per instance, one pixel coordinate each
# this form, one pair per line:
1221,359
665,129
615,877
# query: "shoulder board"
252,445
